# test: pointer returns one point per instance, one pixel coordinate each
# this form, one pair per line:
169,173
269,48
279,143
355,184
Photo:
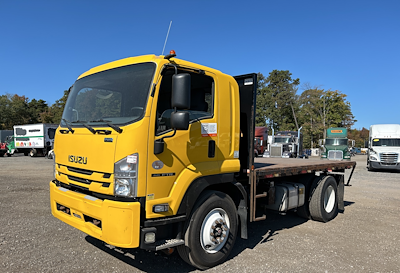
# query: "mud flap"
341,194
242,212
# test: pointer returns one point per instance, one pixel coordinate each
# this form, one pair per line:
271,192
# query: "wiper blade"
68,126
86,126
115,127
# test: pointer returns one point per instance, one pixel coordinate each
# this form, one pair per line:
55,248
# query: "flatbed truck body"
157,153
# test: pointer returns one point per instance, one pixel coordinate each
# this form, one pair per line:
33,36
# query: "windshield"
282,140
390,142
336,141
116,96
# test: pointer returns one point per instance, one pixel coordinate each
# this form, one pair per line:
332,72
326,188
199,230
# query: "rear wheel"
32,152
210,232
324,200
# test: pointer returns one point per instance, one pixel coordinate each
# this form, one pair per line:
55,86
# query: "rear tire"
324,199
210,232
33,152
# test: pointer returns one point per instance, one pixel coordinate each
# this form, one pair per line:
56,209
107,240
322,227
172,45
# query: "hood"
82,149
383,149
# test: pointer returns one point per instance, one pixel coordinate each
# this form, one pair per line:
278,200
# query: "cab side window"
201,99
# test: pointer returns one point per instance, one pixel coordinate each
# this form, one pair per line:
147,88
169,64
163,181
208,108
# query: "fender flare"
231,187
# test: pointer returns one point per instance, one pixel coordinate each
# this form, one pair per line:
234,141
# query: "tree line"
278,107
314,110
17,110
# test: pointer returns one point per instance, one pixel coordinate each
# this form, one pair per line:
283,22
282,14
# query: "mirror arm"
159,143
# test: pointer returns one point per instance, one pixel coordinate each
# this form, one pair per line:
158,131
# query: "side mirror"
181,91
180,120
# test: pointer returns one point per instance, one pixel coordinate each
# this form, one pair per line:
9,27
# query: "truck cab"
384,147
336,145
142,140
286,144
260,140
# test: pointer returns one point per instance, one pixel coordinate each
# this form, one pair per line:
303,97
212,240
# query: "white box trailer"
384,147
34,139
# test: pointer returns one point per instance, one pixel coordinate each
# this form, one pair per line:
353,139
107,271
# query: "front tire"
210,232
369,167
324,200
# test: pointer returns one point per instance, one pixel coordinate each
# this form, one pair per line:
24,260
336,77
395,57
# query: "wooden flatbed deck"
268,167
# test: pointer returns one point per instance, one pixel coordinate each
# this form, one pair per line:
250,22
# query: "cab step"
163,244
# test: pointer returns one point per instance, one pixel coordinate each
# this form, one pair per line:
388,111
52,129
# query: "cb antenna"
166,38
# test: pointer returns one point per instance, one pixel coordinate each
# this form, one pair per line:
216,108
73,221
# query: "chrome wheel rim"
329,199
214,230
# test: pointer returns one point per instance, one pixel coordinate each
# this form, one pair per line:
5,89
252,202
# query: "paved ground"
365,238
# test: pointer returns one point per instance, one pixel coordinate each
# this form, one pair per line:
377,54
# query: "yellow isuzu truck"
155,152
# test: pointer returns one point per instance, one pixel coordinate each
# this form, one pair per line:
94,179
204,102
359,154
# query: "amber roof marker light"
170,55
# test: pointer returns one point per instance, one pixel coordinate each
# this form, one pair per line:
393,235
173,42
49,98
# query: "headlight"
125,176
372,152
371,157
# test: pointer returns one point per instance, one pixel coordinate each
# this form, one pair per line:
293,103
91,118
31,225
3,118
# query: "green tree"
319,110
277,100
4,107
35,110
18,112
55,112
261,102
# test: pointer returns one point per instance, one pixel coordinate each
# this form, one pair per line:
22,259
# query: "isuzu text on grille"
77,159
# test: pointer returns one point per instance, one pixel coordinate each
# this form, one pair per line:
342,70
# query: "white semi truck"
34,139
384,147
285,144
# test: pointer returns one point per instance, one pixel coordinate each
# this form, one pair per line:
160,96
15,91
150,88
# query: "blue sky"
349,46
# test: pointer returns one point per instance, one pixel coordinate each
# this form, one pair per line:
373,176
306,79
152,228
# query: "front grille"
86,181
81,171
389,158
80,180
74,176
335,155
276,151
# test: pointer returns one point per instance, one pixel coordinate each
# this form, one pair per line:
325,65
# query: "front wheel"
369,167
210,232
324,200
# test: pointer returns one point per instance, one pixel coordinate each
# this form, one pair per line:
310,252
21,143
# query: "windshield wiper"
68,126
115,127
86,126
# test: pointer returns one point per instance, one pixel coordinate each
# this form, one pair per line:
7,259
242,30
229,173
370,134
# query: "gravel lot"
365,238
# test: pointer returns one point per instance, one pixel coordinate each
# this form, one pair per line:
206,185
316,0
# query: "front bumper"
115,223
379,165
